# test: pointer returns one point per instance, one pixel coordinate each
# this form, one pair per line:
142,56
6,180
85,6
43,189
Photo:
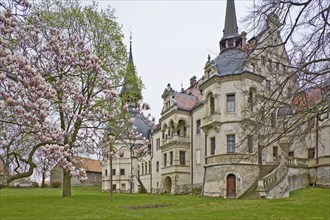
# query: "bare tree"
292,51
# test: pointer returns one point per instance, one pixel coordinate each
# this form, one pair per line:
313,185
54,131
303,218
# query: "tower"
231,38
131,91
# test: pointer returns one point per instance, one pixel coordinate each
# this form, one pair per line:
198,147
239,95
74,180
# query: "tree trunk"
111,181
66,184
43,180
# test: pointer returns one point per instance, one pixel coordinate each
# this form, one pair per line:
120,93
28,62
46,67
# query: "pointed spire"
231,29
131,91
130,57
231,38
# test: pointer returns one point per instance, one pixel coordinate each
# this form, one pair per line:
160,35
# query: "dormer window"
167,105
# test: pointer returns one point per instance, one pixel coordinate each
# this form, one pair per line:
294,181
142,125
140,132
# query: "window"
157,184
198,156
157,166
182,157
268,85
250,143
165,160
212,104
93,177
198,126
275,153
149,167
123,186
171,158
121,154
253,67
263,60
231,103
163,135
291,154
106,172
212,141
113,172
157,143
311,153
270,63
146,167
272,119
114,187
251,101
122,172
230,143
142,171
285,125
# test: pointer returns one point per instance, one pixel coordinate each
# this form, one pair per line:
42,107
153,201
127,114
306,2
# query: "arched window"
251,99
212,105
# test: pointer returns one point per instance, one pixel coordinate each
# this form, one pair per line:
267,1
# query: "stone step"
251,193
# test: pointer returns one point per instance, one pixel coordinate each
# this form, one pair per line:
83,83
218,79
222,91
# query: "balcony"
297,162
211,121
177,141
175,169
232,159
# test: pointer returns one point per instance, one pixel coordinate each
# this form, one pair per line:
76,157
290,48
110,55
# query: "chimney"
243,35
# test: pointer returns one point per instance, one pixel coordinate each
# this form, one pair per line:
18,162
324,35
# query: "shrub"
56,184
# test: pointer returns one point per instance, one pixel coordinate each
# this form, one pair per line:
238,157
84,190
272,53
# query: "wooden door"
231,186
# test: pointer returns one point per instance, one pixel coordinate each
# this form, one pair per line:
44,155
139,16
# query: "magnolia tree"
59,82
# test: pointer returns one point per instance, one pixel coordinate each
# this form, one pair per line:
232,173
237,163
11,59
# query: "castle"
225,136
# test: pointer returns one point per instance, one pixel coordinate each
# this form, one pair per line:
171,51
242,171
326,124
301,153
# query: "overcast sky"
172,39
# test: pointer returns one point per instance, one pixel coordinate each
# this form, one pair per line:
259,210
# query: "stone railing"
275,177
297,162
175,140
211,120
231,159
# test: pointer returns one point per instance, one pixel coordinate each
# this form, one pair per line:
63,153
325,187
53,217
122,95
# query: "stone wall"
216,179
323,176
281,190
298,178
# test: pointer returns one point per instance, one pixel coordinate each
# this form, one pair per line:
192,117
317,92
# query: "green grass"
91,203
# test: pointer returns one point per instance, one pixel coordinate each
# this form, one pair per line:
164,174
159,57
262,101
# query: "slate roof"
141,126
91,165
231,61
231,29
284,111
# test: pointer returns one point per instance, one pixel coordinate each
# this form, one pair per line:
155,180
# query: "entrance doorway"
167,184
231,186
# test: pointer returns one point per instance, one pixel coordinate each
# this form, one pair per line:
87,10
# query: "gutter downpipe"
192,153
205,155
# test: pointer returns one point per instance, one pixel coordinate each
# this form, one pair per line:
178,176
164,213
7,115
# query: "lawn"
91,203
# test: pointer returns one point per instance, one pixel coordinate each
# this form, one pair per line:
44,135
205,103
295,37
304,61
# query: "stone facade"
205,140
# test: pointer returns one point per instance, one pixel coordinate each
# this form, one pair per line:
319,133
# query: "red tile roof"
190,98
91,165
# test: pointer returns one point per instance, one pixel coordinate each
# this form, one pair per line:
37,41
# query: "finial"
209,58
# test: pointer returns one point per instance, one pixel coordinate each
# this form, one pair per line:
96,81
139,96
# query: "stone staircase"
251,192
142,188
